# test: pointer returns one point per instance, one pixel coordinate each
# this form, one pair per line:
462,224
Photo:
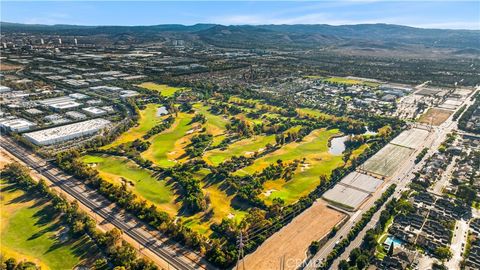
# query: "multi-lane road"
401,178
170,254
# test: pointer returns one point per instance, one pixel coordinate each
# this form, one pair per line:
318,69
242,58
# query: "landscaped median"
114,252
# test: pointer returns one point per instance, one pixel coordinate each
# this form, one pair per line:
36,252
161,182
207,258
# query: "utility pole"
240,251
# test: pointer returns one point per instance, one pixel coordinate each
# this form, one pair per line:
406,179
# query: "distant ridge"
271,36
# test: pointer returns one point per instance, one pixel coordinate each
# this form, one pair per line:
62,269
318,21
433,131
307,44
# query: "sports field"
148,119
140,181
318,161
311,225
164,89
388,160
29,230
435,116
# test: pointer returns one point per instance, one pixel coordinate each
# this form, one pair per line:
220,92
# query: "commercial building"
67,132
61,103
78,96
16,124
94,111
128,93
76,115
4,89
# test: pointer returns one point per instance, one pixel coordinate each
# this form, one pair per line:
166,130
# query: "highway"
147,238
402,178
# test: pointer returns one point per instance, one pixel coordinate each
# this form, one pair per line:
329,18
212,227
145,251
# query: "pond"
337,144
162,111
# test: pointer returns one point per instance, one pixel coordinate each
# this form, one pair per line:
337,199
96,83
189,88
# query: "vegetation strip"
357,228
118,252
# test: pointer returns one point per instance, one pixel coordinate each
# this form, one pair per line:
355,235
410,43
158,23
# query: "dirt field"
437,116
4,158
8,67
293,240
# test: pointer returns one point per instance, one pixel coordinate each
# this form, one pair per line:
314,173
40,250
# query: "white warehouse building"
67,132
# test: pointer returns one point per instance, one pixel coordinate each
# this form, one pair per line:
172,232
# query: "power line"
240,251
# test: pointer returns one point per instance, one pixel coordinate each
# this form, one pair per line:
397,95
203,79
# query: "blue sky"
426,14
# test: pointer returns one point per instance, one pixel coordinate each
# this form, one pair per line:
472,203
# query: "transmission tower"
240,251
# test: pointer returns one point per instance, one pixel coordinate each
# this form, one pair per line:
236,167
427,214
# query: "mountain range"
386,36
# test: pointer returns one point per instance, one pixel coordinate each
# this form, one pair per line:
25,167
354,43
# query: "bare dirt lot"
293,240
435,115
9,67
4,158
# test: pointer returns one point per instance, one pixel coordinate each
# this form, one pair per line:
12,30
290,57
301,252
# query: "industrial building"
61,103
16,124
128,93
76,115
67,132
94,111
78,96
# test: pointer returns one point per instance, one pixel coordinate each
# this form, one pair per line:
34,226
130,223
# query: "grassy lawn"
347,81
258,105
164,89
148,119
313,77
113,169
30,231
221,206
215,124
314,148
168,147
312,112
239,148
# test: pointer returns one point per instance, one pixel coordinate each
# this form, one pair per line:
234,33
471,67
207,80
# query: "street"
148,238
402,178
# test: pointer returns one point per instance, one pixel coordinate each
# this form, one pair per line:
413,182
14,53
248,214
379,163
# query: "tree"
314,247
362,261
354,254
369,240
443,253
343,265
390,250
100,263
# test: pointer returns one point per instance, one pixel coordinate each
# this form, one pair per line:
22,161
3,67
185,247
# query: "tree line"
118,253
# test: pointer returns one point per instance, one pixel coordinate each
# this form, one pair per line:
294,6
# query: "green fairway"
220,207
347,81
215,124
148,119
312,112
314,148
113,169
239,148
30,231
164,89
168,147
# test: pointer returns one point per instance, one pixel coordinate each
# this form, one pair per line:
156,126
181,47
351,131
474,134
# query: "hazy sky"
428,14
